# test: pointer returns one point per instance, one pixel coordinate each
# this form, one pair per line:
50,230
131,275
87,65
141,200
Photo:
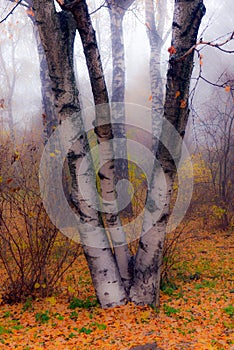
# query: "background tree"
217,147
8,81
117,9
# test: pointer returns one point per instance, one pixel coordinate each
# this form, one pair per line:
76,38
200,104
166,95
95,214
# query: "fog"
19,76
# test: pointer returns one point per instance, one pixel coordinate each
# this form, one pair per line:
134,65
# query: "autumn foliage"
48,276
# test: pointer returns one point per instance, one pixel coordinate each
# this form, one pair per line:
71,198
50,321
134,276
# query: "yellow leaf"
0,179
70,289
37,285
16,156
57,151
52,154
51,300
43,286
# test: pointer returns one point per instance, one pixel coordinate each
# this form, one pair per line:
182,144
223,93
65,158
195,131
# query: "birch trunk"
156,194
49,119
186,22
48,114
117,10
104,135
10,86
57,37
156,44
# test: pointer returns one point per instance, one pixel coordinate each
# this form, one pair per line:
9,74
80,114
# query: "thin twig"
99,8
11,12
209,43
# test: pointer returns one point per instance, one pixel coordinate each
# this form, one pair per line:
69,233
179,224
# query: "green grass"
229,310
42,317
84,304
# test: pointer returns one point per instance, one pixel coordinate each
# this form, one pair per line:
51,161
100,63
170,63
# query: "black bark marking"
102,176
112,219
72,156
109,305
142,246
176,25
163,218
83,216
160,245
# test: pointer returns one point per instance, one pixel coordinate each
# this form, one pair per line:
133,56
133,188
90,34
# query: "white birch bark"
57,39
104,135
117,10
186,22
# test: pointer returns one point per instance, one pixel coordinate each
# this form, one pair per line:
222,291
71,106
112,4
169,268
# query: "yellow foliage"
51,300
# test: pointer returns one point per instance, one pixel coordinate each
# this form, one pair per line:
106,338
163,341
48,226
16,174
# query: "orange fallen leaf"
30,12
183,104
177,94
171,50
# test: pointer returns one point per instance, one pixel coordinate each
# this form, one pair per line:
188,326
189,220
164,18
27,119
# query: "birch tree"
186,22
9,82
117,277
117,9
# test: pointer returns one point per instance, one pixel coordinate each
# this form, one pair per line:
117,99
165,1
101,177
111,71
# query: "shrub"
33,253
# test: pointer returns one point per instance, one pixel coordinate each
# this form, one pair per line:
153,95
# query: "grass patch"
229,310
84,304
42,317
169,310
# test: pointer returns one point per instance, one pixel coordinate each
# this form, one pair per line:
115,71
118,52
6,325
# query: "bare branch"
99,8
209,43
11,12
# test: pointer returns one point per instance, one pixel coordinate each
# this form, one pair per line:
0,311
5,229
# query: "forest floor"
196,313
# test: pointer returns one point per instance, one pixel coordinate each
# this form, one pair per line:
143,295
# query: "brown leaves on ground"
196,311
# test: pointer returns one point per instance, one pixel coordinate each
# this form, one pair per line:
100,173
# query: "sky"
17,32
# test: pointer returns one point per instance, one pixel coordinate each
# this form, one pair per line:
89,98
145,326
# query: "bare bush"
33,253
